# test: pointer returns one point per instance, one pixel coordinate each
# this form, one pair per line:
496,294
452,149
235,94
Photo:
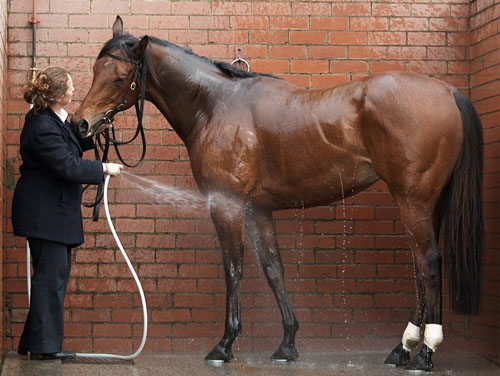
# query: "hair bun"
29,92
47,86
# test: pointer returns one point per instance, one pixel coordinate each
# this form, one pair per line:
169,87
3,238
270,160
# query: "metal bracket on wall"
239,60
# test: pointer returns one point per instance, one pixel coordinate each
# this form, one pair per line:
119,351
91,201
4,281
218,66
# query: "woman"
46,206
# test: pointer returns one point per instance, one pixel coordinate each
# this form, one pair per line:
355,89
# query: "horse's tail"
463,215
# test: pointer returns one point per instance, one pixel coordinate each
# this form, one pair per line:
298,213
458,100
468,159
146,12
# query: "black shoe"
52,356
22,350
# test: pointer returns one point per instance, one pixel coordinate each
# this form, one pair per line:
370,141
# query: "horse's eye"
120,79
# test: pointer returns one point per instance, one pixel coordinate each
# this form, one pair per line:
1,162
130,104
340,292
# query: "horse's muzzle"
82,127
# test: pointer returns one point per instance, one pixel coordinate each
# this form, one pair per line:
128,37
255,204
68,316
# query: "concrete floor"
317,364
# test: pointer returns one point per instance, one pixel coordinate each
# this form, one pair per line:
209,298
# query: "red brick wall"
3,126
348,267
485,92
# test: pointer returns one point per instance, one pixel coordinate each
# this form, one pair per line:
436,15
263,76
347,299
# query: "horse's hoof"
285,354
422,362
399,356
219,354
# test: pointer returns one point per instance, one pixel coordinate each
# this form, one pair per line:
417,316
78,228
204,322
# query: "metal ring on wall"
238,59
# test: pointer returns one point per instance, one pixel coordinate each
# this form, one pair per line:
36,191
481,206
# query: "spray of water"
164,194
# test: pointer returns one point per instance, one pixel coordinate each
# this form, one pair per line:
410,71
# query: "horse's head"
115,86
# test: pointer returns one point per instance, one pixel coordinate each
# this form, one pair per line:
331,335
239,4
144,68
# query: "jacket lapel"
66,129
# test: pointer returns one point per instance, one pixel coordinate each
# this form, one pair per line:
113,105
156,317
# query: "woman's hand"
112,169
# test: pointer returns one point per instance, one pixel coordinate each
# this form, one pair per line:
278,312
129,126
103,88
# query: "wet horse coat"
268,145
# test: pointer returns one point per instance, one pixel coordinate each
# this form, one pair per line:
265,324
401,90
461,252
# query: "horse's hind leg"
400,356
229,224
261,231
422,226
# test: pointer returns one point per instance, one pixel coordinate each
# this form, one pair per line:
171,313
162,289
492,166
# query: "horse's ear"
118,26
140,47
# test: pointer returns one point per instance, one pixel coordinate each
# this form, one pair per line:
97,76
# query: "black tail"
463,217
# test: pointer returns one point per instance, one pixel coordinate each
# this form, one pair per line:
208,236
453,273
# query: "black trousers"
44,328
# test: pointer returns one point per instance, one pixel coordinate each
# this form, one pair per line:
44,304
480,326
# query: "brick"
362,52
429,67
330,52
271,8
351,9
409,24
386,38
347,67
311,9
112,301
384,66
82,21
208,22
231,8
192,330
309,66
329,23
265,36
227,37
109,6
430,10
446,53
384,10
427,39
346,37
292,52
148,7
407,53
249,22
169,22
270,66
112,330
187,36
308,37
197,7
289,23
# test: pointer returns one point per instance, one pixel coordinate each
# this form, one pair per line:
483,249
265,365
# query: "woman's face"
65,99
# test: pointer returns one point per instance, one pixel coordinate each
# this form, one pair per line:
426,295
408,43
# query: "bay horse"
270,145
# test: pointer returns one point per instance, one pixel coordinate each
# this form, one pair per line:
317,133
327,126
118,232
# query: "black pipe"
33,21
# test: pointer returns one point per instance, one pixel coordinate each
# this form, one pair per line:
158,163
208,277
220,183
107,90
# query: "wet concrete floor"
317,364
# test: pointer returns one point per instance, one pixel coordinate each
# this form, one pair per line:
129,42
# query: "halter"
140,73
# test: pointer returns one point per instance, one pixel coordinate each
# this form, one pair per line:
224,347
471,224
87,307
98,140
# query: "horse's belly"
326,186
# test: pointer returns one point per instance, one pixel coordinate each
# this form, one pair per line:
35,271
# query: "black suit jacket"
48,195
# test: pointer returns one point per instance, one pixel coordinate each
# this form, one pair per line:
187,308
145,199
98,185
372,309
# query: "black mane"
124,42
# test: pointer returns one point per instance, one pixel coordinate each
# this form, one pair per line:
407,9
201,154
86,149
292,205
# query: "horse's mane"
124,42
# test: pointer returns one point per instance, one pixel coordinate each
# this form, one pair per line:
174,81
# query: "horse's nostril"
82,126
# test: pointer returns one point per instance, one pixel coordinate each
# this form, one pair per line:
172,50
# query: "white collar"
63,114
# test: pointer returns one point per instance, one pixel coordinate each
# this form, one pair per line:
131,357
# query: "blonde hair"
48,85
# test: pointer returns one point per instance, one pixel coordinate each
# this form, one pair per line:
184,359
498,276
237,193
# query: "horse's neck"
184,90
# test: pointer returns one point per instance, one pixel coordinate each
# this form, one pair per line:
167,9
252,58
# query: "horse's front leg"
228,218
261,231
